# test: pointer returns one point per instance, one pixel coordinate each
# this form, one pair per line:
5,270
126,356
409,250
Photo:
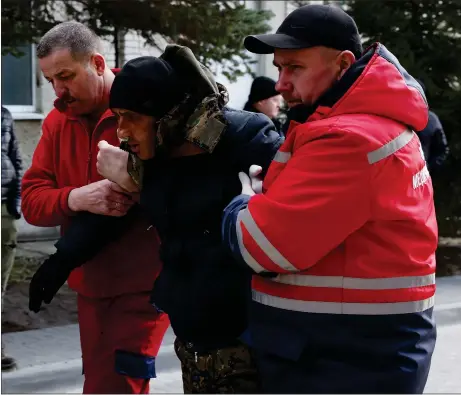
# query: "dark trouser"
225,371
338,374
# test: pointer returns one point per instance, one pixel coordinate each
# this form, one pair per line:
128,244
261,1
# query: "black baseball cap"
310,26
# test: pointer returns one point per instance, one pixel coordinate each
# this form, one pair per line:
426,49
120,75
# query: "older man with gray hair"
120,332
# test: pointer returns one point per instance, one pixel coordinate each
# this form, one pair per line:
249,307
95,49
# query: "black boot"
8,363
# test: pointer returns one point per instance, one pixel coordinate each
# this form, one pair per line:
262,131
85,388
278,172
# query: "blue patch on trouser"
134,365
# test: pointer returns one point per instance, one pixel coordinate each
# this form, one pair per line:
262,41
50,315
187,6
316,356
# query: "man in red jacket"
120,331
344,233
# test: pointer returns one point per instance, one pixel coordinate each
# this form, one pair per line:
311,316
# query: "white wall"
238,90
135,47
280,9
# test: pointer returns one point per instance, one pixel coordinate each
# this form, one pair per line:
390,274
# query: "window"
18,81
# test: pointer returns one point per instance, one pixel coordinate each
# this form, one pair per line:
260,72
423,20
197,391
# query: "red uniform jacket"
347,215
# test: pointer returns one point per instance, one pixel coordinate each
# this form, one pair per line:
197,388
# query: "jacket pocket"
283,342
134,365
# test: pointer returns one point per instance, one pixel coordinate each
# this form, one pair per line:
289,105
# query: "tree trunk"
119,46
116,47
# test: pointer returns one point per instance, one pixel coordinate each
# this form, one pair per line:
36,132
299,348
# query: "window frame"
27,108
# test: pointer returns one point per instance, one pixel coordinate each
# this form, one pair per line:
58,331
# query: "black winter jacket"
204,292
276,121
434,143
11,166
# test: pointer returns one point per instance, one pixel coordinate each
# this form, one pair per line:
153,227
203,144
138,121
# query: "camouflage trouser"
223,371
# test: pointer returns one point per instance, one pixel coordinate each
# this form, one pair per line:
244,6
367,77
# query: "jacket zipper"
90,137
88,170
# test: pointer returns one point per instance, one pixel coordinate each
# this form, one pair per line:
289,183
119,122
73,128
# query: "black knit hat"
310,26
262,88
147,85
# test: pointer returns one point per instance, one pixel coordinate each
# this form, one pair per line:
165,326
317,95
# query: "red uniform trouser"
120,338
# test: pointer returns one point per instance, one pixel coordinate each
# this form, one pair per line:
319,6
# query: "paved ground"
49,358
445,377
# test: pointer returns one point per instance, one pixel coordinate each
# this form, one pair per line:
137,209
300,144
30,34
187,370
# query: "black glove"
47,280
86,236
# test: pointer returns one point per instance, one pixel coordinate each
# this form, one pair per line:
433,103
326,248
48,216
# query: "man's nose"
123,133
60,89
283,84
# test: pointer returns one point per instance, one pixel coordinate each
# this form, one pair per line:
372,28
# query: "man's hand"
112,164
252,184
102,197
256,181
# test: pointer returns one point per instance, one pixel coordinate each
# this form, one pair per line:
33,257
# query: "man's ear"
99,63
258,104
344,61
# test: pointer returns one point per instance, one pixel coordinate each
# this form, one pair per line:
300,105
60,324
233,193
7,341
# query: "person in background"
433,141
11,208
120,333
263,98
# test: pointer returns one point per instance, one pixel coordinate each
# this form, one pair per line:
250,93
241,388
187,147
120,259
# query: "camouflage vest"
204,128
